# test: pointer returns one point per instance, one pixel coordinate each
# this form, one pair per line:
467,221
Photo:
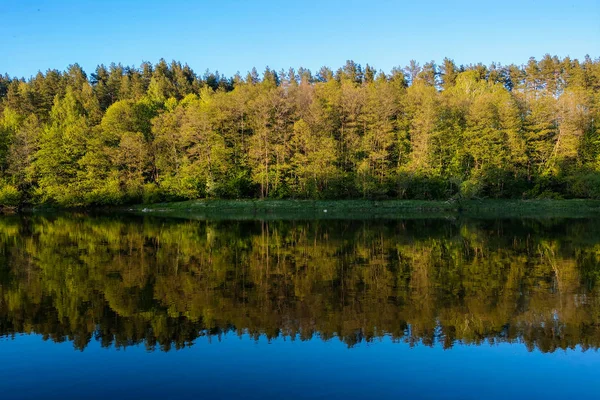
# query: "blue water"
240,367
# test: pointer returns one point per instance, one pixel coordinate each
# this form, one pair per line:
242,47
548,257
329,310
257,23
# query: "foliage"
9,196
161,132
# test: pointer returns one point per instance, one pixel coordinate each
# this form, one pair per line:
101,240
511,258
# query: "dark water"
126,307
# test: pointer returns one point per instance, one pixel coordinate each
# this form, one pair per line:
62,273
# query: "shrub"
152,194
9,196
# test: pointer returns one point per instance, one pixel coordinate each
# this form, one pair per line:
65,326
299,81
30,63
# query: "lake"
125,306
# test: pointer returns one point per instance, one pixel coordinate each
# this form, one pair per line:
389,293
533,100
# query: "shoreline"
367,209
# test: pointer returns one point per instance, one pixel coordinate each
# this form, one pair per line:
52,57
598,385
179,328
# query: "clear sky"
230,36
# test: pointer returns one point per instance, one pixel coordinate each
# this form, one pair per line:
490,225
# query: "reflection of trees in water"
165,282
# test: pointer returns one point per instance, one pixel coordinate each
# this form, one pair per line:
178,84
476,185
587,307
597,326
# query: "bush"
471,188
109,194
585,186
152,194
9,196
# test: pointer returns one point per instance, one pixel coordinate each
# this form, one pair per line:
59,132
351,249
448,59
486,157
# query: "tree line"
164,282
163,133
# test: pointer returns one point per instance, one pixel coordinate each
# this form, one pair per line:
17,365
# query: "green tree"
62,146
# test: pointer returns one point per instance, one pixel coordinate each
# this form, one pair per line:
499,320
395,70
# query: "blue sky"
232,36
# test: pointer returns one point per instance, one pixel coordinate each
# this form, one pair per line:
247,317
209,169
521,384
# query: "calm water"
128,307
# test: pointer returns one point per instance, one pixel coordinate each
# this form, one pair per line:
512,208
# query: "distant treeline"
161,132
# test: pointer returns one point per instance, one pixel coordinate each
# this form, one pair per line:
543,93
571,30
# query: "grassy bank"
297,209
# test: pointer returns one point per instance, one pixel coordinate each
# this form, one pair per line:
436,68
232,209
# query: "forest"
165,282
126,135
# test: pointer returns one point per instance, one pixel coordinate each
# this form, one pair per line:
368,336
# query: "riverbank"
359,209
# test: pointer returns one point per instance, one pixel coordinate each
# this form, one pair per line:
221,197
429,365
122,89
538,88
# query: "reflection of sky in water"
244,368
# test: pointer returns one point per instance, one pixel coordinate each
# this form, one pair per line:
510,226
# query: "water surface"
122,306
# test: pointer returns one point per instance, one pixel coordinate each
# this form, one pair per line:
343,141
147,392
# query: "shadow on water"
124,280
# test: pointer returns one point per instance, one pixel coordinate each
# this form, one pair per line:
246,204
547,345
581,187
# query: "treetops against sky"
162,132
236,35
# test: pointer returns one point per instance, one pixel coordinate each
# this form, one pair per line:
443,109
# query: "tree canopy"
163,133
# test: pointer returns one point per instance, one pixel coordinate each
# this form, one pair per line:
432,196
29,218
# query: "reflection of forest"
165,282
